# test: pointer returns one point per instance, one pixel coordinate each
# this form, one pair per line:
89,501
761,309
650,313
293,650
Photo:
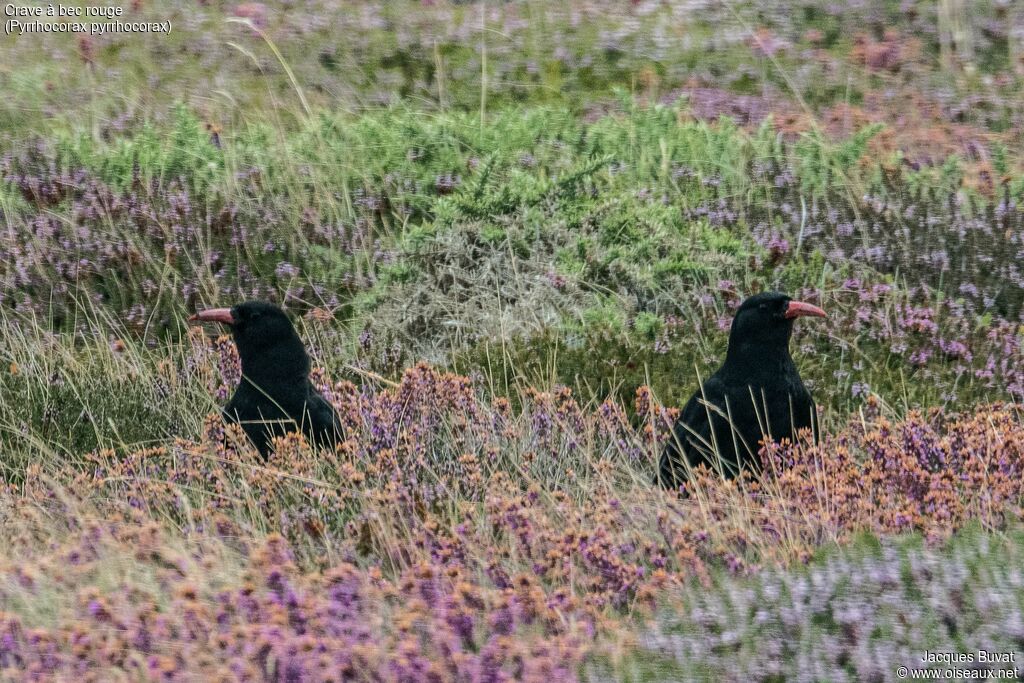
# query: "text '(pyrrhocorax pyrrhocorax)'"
756,394
275,395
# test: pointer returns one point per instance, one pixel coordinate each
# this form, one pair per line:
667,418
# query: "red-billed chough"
275,395
756,394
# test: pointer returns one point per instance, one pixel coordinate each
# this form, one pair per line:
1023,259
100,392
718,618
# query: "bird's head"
265,337
766,320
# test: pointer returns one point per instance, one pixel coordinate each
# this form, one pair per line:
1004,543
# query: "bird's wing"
323,417
692,435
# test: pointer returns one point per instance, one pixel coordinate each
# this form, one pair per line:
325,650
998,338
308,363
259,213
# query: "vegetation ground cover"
513,236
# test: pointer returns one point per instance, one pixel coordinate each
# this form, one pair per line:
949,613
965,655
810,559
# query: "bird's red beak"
795,309
214,315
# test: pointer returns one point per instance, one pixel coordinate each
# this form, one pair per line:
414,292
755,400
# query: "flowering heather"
451,536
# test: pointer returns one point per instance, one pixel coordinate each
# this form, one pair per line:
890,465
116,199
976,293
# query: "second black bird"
275,395
756,393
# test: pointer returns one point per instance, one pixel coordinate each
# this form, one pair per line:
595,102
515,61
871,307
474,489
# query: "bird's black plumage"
756,393
275,395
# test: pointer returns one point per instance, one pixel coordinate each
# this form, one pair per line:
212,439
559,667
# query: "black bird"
275,395
757,389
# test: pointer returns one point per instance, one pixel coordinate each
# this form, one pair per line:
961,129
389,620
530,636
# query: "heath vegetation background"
513,235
